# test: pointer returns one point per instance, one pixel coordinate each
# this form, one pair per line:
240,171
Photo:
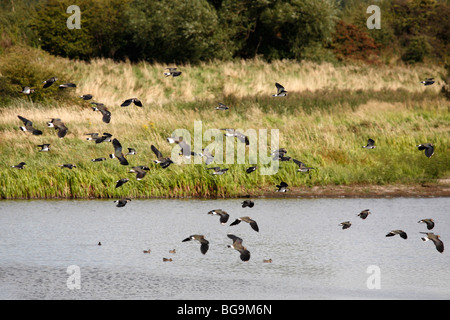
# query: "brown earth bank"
426,190
441,188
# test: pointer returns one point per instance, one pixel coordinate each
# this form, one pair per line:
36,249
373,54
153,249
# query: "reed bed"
329,114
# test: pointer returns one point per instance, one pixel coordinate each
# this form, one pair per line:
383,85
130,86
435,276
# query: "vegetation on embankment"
323,123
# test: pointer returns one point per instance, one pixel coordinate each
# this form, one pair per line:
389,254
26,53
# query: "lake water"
49,250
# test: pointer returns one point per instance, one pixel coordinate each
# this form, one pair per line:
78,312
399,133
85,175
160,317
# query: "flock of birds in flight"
164,162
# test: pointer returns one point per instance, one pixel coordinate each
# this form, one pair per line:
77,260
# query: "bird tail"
112,156
23,128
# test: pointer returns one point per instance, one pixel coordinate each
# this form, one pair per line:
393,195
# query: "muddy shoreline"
425,190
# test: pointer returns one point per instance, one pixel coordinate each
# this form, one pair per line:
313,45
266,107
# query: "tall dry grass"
326,118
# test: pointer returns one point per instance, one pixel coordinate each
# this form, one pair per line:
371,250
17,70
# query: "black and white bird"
370,144
249,220
27,90
364,214
204,244
67,85
172,72
28,126
163,162
86,96
281,91
121,182
131,151
44,147
428,147
218,170
222,106
68,166
95,136
240,136
106,114
58,125
345,225
435,238
302,167
140,171
277,154
429,223
127,102
251,169
248,203
401,233
19,166
185,147
237,245
207,154
98,159
223,215
427,81
49,82
122,202
282,187
118,153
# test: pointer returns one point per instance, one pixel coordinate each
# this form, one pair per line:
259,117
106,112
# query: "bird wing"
126,103
157,152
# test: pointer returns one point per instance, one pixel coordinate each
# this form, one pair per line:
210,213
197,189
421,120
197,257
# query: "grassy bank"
329,113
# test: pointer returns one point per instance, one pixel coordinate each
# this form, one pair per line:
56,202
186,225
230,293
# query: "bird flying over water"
429,223
249,220
237,245
204,244
223,215
435,238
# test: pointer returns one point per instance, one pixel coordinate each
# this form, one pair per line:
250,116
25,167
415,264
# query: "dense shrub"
349,42
24,66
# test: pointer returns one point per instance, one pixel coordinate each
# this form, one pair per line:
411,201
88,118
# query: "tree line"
192,31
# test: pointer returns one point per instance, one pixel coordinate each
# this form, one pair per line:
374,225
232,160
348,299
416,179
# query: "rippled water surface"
312,257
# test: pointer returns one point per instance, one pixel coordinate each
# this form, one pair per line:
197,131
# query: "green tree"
101,32
175,31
